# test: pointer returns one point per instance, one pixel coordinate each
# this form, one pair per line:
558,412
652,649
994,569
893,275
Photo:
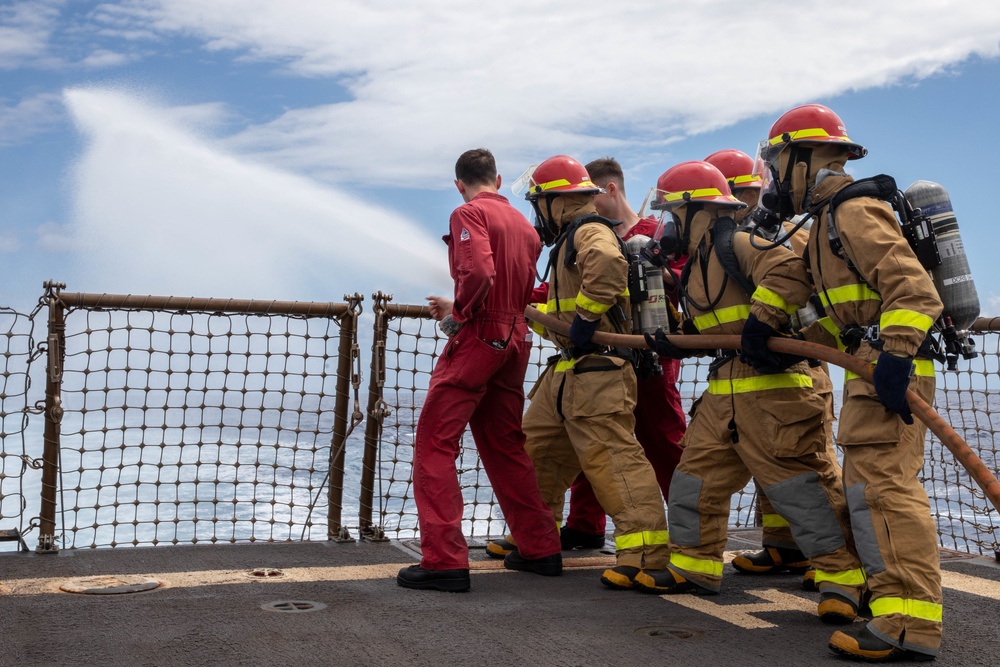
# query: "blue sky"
304,149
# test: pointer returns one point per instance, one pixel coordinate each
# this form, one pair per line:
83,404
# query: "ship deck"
210,610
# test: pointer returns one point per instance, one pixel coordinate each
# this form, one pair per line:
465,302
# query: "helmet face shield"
766,154
653,206
523,182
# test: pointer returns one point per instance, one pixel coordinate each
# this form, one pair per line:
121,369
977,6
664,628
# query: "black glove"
660,344
580,334
754,349
891,377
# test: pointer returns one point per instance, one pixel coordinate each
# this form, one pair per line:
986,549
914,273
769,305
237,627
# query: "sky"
304,149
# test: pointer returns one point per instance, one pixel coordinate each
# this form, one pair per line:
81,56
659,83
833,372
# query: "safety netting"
18,463
969,399
193,427
204,423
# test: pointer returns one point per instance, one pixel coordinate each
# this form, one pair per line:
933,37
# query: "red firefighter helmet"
560,175
737,167
693,181
810,123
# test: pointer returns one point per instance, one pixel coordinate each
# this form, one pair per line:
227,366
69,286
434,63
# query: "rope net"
187,427
16,347
969,400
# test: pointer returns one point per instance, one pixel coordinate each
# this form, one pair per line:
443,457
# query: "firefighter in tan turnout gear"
766,424
581,412
880,303
779,553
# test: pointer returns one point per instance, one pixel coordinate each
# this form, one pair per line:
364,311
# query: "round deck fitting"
293,606
265,573
111,584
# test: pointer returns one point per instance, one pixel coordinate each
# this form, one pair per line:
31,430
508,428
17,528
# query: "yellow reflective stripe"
905,318
588,304
559,306
701,192
855,577
848,293
700,565
537,328
748,178
832,329
799,135
722,316
760,383
641,539
564,365
923,368
927,611
771,298
775,521
562,182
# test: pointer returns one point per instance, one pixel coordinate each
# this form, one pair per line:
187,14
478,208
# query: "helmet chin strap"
692,210
547,230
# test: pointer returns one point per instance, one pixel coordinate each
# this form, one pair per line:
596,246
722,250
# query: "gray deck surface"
208,611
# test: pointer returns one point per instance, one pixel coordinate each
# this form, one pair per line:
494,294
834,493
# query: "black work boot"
572,538
864,646
450,581
548,566
771,560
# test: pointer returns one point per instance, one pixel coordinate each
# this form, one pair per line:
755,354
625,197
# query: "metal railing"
171,420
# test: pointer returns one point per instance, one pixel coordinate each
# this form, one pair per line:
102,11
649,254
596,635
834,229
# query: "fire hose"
920,409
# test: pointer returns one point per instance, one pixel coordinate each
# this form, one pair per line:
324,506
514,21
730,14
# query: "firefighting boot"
620,577
771,560
500,548
864,646
572,538
669,582
547,566
836,609
809,580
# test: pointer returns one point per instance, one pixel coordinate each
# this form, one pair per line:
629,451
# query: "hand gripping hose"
925,413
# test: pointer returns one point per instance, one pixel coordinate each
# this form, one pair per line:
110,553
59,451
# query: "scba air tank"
649,301
953,278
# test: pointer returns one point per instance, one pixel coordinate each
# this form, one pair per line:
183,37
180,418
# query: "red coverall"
479,380
659,427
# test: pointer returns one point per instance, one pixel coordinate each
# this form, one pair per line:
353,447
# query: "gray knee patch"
864,530
803,502
682,509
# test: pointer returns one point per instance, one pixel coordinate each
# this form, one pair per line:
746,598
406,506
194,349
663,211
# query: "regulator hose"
920,409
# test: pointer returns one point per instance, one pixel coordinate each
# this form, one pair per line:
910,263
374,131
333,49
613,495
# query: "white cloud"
53,237
101,58
9,243
29,117
530,79
162,211
25,28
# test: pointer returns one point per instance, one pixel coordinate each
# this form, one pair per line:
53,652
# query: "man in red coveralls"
479,381
659,416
